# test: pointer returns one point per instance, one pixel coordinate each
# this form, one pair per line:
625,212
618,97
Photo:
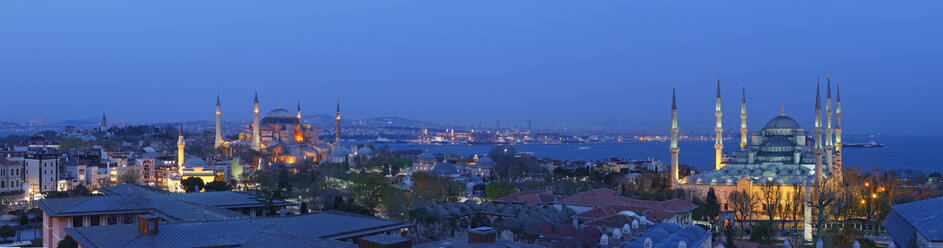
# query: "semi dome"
782,122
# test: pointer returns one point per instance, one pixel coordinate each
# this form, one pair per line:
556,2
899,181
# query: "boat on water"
584,148
871,144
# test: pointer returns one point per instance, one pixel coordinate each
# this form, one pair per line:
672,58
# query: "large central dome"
279,113
782,122
280,116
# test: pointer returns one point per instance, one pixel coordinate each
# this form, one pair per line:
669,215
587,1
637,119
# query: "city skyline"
552,62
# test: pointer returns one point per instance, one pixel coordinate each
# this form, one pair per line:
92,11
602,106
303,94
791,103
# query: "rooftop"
313,230
922,217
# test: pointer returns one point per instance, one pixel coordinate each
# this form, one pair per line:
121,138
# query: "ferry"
871,144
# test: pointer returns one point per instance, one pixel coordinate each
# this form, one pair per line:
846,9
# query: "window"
94,220
77,221
112,219
3,184
725,207
128,218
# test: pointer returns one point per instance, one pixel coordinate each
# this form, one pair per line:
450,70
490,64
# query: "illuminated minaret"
829,146
256,139
718,130
337,125
743,118
817,150
674,139
838,143
219,129
180,145
299,112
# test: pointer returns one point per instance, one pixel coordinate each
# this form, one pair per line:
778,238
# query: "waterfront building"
782,152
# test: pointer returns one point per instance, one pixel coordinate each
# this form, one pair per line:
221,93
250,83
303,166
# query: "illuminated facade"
782,152
279,133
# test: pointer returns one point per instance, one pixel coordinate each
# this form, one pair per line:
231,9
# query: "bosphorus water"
916,152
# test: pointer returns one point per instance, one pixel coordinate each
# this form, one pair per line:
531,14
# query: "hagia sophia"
782,152
280,133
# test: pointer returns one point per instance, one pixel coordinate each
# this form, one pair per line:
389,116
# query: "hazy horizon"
462,63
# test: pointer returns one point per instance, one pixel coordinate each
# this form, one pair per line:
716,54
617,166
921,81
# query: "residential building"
126,202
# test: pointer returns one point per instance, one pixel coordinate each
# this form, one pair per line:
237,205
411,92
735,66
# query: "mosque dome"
365,151
426,156
782,122
444,169
195,162
778,142
280,116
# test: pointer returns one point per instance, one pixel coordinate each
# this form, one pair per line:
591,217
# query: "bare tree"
796,203
824,194
771,198
743,204
785,210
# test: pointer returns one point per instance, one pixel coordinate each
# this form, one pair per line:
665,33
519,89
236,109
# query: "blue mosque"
782,152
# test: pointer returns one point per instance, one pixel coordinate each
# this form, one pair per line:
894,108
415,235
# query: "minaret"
829,146
299,112
180,145
674,139
718,130
256,140
104,124
838,143
219,129
743,119
817,150
337,125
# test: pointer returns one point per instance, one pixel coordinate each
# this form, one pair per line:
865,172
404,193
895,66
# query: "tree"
824,195
192,184
498,189
369,189
396,204
68,242
763,233
216,186
712,206
129,176
771,197
743,204
730,233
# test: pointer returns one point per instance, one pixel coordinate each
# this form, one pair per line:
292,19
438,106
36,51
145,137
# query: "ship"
871,144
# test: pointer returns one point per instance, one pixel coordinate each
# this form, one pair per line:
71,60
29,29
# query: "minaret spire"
180,146
718,131
674,139
743,118
817,151
299,111
256,139
838,143
337,125
219,129
829,146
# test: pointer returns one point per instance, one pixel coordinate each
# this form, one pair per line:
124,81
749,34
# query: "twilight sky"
462,62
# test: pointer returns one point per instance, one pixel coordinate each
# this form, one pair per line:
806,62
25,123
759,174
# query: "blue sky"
462,62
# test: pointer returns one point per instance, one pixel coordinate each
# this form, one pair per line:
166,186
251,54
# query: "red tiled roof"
651,214
529,197
603,197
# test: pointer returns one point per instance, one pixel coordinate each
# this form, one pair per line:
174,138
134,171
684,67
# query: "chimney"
147,224
384,241
481,235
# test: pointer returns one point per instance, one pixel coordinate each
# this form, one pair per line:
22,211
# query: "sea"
916,152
